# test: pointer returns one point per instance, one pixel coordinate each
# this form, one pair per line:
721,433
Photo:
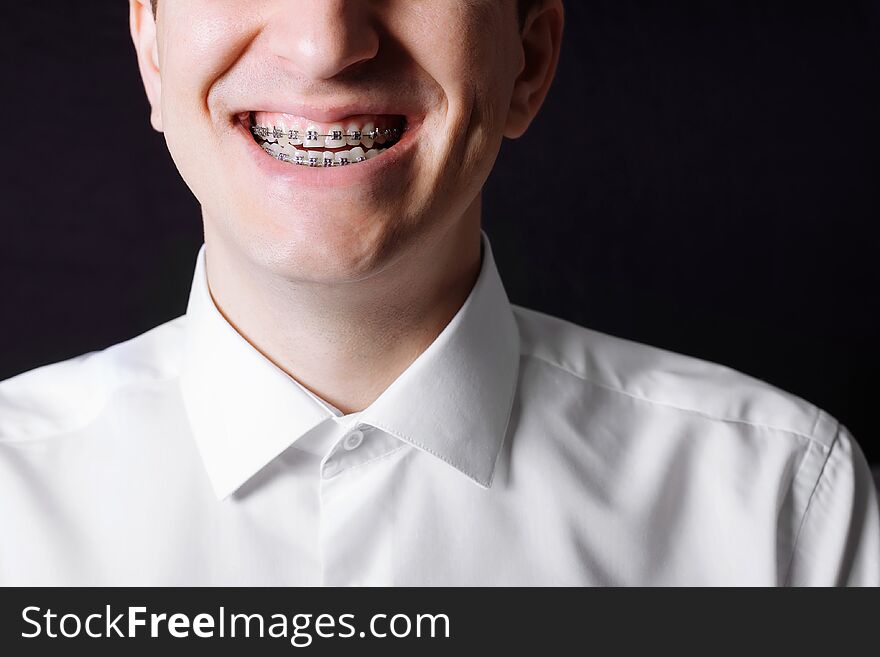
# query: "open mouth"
299,141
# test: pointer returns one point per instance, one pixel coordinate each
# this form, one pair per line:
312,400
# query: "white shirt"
517,449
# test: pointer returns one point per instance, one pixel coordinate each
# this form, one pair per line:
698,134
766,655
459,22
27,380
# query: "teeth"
367,136
294,137
312,138
279,133
322,159
353,133
357,154
321,146
335,137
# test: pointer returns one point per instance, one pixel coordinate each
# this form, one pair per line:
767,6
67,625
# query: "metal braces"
314,161
264,132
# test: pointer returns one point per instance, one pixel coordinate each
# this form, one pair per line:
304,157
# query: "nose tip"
323,38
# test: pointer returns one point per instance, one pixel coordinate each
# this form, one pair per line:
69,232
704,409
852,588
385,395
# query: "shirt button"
353,440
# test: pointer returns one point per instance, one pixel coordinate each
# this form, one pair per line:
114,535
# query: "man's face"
441,73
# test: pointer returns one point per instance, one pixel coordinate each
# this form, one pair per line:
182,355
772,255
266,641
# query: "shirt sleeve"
838,543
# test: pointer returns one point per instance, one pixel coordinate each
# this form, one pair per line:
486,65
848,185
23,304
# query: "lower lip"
285,173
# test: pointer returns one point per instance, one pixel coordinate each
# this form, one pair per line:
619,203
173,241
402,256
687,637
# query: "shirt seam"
415,443
786,581
703,414
511,402
373,459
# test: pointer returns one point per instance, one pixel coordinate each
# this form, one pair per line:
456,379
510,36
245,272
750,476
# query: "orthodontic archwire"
311,135
315,161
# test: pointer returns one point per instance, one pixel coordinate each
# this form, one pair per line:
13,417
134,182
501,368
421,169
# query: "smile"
297,140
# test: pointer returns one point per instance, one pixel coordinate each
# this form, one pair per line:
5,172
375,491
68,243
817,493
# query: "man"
350,398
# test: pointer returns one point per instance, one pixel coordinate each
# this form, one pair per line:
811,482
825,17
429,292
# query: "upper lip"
329,111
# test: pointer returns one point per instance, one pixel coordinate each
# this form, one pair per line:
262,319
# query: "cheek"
202,40
475,73
479,99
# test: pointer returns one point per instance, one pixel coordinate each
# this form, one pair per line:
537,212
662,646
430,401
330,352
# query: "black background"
703,178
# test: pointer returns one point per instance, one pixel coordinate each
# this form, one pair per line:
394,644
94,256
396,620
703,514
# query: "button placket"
330,468
342,457
357,531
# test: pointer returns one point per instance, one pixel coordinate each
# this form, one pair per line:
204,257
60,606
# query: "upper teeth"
335,138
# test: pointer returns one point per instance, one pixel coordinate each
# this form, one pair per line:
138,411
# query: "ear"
143,34
541,41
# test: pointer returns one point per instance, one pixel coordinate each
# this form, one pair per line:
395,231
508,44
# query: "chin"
325,248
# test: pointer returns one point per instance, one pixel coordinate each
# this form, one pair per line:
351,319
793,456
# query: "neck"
348,342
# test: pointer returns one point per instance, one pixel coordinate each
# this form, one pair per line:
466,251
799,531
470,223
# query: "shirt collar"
453,402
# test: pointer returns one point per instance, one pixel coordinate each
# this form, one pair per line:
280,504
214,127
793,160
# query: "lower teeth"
321,158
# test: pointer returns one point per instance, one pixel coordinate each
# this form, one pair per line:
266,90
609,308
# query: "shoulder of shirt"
65,396
669,380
